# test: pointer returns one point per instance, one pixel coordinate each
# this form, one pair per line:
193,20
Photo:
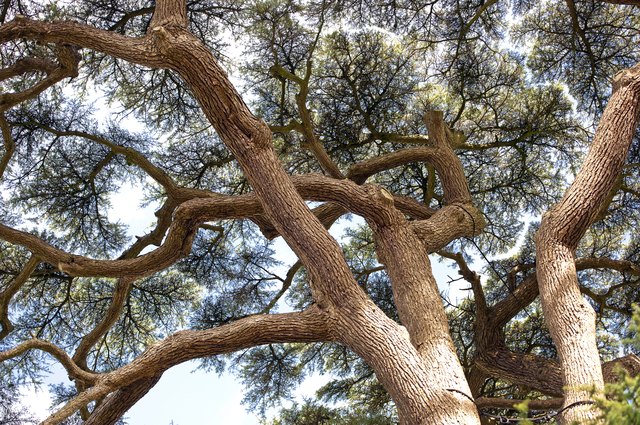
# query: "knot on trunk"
626,77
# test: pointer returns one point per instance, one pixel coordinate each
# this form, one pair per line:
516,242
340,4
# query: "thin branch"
10,291
286,284
9,144
118,298
504,403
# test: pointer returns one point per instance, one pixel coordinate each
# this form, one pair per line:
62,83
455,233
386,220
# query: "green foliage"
621,406
621,403
523,411
311,413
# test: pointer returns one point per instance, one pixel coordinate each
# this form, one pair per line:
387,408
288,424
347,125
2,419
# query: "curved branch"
71,367
361,171
449,223
186,220
453,180
447,163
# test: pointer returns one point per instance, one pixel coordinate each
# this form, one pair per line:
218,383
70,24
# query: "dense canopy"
449,127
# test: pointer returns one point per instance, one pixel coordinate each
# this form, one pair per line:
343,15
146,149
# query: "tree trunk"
422,395
570,318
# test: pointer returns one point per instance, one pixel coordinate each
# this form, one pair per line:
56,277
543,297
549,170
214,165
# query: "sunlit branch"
449,223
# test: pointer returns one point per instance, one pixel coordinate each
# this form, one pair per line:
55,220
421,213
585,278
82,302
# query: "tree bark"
357,321
421,395
570,319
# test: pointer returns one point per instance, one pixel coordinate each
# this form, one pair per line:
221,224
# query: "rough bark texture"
570,318
416,362
360,324
425,378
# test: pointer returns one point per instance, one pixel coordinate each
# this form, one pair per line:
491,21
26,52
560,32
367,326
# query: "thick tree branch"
170,13
440,155
447,163
493,358
311,325
570,319
135,50
26,65
447,224
113,407
361,171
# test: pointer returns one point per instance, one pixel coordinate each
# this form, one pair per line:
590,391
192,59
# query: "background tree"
447,126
